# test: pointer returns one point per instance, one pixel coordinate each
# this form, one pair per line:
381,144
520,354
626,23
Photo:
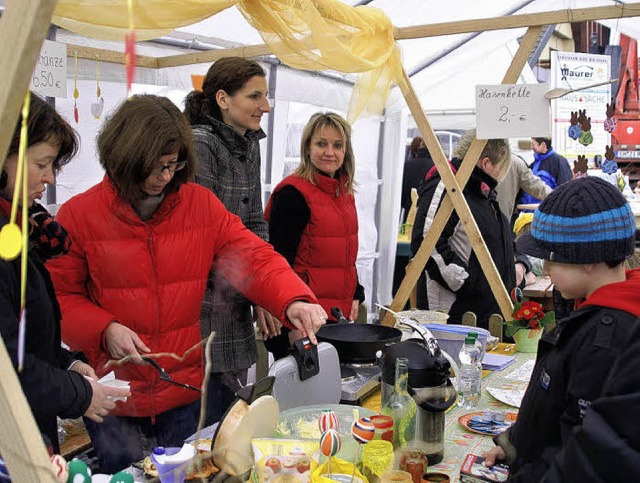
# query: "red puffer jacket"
151,276
326,256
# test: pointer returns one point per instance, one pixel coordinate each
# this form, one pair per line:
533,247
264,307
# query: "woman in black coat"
55,381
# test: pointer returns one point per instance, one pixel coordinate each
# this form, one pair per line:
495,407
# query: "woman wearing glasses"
144,240
225,117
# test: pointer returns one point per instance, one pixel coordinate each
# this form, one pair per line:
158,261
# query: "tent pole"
434,30
454,185
23,27
457,45
537,19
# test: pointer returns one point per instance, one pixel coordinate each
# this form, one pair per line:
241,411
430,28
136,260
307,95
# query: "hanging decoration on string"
610,122
130,48
76,92
580,167
98,106
14,239
574,129
11,236
609,166
586,137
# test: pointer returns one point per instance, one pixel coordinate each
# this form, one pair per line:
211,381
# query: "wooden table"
74,444
458,441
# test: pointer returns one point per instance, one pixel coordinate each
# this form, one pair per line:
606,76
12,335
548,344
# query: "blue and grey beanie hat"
586,220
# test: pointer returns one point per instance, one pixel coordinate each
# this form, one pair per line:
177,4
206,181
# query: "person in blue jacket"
547,165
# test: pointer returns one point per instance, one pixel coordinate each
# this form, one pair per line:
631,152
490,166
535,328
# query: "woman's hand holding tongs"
121,342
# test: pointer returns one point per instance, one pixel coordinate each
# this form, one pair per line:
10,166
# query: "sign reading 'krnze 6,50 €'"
512,110
50,73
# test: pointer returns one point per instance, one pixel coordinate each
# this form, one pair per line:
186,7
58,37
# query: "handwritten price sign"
50,74
512,110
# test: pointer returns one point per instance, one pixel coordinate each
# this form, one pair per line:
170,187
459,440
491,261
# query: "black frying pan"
357,343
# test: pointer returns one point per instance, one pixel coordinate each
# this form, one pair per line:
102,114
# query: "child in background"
584,231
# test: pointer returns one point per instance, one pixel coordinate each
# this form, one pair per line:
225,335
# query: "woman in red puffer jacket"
144,241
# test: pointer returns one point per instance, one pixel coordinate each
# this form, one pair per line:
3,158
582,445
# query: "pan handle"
339,316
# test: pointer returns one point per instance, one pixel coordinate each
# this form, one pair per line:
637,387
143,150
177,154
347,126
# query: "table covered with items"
321,442
413,426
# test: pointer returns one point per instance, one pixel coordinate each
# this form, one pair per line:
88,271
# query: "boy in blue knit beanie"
584,231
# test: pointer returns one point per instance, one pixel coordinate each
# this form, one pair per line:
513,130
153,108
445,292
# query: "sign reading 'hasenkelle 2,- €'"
512,110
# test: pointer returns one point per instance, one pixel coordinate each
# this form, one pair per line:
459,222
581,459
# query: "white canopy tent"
379,142
444,71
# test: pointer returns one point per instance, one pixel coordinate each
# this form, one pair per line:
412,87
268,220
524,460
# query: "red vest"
326,256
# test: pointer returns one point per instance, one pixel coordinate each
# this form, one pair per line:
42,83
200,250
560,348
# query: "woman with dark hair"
144,242
55,381
225,117
313,221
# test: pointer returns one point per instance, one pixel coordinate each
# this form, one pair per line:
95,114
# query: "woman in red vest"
313,221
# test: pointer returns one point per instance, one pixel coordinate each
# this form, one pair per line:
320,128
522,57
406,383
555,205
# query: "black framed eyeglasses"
171,167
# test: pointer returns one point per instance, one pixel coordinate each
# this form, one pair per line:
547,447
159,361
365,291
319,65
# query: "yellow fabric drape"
304,34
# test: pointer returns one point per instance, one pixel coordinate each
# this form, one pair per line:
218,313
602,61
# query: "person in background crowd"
455,282
519,178
548,165
584,231
415,171
313,221
225,117
132,284
56,382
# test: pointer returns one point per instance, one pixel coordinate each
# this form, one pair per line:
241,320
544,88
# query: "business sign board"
572,70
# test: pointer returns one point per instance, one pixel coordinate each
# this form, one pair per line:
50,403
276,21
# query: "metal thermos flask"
430,387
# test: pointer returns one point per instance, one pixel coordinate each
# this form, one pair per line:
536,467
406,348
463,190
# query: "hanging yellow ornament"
11,237
76,92
10,241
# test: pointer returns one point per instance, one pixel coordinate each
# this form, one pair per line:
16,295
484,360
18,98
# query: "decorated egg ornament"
363,430
330,442
328,420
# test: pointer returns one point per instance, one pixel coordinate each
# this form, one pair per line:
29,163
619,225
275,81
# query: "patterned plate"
473,423
512,397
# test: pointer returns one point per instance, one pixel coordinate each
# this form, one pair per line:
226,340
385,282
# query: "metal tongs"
164,375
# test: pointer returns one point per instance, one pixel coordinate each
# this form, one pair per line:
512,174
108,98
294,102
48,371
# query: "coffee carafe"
430,387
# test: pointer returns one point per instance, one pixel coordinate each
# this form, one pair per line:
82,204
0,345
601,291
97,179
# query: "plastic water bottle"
478,344
470,375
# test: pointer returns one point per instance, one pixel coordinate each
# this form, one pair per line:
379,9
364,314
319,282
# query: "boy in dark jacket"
584,231
606,447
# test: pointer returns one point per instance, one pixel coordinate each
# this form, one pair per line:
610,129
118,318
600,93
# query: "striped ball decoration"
583,221
363,430
330,442
328,420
